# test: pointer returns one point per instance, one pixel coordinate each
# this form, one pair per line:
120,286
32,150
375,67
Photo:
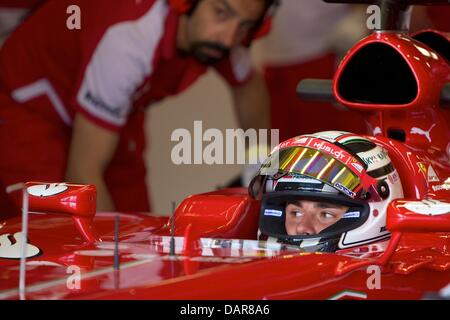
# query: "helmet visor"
315,164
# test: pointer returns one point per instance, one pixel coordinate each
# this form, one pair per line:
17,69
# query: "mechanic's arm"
252,103
91,150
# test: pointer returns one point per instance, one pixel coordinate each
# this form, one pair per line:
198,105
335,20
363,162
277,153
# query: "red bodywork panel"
215,254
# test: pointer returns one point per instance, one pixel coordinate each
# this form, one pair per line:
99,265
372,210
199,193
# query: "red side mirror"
418,216
76,200
73,199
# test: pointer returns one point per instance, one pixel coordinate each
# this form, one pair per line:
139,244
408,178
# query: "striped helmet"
333,167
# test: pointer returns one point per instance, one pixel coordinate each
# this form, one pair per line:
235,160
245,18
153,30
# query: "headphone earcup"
181,6
264,29
266,25
261,32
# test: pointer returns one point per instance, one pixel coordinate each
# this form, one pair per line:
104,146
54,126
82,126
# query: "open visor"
312,163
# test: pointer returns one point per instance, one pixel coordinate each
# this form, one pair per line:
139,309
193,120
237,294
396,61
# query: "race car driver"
305,217
326,191
72,99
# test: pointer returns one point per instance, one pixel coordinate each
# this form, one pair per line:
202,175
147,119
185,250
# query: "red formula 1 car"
396,245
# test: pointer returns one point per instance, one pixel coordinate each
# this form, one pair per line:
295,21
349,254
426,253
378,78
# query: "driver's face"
217,26
311,217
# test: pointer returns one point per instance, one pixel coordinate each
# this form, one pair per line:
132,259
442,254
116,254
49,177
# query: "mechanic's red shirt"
123,57
440,16
20,3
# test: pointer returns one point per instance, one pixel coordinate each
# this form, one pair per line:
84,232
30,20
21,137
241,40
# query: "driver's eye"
297,213
328,215
221,13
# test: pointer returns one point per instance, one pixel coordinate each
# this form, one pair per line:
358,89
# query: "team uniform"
439,16
20,3
122,59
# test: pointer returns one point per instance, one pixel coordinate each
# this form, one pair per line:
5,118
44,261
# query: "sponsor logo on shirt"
99,104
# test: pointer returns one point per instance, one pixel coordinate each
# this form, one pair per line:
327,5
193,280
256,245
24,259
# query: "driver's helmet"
333,167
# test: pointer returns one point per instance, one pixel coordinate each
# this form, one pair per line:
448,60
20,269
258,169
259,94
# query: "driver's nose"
305,226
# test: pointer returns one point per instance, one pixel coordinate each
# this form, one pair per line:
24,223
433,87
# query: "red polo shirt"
440,16
20,3
122,59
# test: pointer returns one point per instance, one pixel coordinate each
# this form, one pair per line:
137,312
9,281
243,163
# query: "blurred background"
169,182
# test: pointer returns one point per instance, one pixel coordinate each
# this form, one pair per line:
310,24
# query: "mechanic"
72,101
326,191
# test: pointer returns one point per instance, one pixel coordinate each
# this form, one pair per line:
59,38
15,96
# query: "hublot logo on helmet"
330,150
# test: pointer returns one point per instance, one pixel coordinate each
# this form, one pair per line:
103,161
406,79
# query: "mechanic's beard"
199,52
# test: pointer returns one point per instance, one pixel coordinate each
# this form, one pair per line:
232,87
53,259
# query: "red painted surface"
416,259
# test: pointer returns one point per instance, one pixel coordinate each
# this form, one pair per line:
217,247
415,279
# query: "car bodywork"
62,264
